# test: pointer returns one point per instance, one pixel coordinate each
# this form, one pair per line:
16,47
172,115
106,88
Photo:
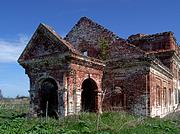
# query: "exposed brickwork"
49,56
139,75
156,42
163,86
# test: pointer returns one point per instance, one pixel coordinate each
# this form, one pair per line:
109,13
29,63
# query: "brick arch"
89,96
42,78
47,89
86,76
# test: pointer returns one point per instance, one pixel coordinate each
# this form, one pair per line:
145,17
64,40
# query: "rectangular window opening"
85,53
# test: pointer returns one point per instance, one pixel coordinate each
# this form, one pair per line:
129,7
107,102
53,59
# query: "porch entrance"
89,101
49,98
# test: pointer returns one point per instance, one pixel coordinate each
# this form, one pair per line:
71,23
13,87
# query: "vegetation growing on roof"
103,43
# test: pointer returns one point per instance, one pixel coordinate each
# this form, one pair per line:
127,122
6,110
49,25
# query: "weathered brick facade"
139,75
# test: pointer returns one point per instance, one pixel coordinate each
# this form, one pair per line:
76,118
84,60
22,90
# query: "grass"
15,121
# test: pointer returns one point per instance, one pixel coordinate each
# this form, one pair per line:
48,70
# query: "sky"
20,18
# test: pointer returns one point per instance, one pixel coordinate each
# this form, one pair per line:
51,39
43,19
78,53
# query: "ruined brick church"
94,70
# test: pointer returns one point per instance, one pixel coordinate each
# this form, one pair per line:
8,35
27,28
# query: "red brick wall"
83,73
155,42
134,82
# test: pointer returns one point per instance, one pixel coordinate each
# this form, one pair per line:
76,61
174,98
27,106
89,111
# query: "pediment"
45,42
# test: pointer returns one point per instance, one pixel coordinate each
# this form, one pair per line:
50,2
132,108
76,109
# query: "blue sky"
20,18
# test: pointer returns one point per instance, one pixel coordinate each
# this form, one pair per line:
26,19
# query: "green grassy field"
14,120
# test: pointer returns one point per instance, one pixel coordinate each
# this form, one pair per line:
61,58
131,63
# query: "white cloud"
10,50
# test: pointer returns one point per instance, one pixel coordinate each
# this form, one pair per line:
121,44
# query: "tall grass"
15,121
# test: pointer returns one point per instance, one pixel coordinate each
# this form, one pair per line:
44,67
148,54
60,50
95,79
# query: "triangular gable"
45,42
86,30
89,34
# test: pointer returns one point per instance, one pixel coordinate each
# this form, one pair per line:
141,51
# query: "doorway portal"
89,96
49,98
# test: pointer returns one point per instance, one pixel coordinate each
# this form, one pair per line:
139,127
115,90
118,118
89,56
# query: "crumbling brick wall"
155,42
48,57
163,46
133,75
87,35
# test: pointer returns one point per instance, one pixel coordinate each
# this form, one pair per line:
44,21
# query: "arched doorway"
89,96
49,98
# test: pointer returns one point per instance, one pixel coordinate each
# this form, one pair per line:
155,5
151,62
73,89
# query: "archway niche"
49,98
118,100
89,96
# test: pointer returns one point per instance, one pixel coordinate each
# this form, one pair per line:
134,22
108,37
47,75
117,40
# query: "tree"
103,48
1,96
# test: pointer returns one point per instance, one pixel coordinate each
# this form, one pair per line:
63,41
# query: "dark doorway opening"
89,96
49,98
